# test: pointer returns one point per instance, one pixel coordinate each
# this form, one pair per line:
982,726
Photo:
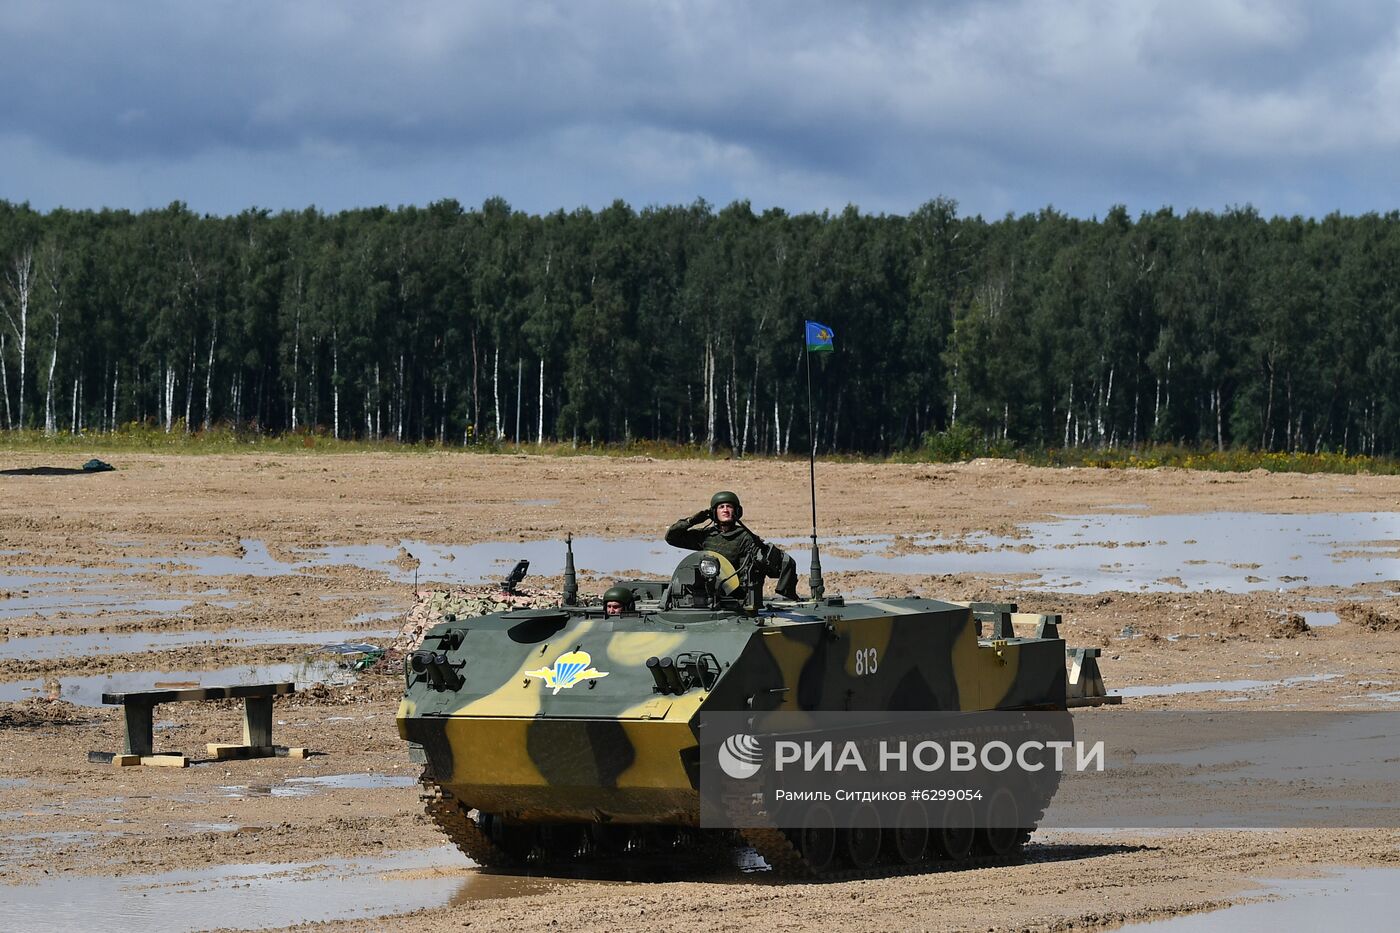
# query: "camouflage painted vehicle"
549,734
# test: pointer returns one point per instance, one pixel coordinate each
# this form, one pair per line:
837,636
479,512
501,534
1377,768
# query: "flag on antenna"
819,338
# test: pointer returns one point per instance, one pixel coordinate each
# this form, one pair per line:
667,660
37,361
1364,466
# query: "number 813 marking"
867,661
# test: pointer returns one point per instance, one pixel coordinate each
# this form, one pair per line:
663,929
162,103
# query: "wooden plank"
226,751
240,691
165,761
1111,700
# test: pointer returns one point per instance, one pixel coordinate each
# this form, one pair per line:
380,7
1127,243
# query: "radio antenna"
818,341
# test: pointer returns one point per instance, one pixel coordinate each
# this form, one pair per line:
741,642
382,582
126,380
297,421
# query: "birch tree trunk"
496,389
1219,429
519,386
209,378
49,427
296,364
1069,412
476,399
1264,437
73,424
539,437
169,397
5,384
189,388
777,427
710,397
335,384
1166,392
53,265
116,382
369,414
953,415
20,279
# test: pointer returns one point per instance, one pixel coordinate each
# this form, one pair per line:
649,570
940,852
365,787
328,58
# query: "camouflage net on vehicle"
464,602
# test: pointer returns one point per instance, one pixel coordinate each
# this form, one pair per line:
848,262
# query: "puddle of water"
1385,697
1213,686
258,896
1352,899
7,783
306,786
1315,618
12,581
51,604
88,690
379,615
1084,554
1079,554
536,501
44,646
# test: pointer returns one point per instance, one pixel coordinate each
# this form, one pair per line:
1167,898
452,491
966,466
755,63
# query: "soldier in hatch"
729,537
619,599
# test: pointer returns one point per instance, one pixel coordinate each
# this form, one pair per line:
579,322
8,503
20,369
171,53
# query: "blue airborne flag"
819,338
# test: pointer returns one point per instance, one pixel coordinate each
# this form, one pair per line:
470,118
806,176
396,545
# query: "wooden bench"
138,747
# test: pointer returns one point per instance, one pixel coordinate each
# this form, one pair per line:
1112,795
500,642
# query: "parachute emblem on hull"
568,669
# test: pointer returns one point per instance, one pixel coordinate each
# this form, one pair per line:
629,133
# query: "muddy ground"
115,542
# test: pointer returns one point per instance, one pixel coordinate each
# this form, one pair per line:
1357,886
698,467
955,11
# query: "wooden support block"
125,761
165,761
1113,700
225,751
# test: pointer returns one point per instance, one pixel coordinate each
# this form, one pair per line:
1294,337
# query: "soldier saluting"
730,538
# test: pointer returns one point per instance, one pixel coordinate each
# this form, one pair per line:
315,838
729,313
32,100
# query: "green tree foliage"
684,324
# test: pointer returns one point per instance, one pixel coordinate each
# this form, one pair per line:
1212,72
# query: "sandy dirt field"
95,583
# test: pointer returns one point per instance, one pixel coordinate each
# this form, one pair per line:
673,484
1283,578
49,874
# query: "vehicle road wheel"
817,838
909,837
862,838
516,840
1002,830
957,832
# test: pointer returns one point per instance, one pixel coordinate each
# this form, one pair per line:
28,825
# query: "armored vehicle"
549,734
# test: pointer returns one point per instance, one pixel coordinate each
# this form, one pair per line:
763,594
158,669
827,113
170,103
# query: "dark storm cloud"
1003,105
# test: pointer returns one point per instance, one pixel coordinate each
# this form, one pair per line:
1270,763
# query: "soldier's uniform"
738,545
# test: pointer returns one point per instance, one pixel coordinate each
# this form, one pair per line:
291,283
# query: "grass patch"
957,446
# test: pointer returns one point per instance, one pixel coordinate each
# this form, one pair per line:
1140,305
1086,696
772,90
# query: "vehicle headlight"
709,567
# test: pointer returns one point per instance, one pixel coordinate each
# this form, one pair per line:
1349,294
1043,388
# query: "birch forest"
684,324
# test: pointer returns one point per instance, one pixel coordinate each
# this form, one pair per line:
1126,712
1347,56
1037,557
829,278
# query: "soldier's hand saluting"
701,516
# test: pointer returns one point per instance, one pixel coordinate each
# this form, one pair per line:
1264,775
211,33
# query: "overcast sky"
1003,106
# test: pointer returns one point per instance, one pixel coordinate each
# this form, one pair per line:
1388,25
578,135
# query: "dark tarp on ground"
92,466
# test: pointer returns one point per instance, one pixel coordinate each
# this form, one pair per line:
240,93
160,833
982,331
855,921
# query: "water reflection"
1352,899
87,690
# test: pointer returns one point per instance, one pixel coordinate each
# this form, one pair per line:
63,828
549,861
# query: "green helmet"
722,497
621,594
